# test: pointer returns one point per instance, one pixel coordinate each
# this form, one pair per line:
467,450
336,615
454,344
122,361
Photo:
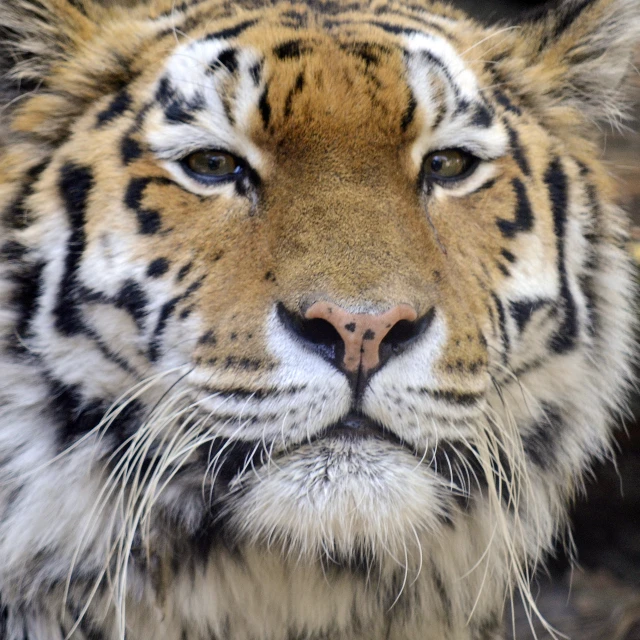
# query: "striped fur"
167,467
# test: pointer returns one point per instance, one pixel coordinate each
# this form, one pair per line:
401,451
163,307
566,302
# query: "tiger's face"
330,280
312,227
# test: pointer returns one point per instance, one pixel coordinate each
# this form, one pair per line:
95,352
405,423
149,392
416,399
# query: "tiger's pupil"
212,163
449,163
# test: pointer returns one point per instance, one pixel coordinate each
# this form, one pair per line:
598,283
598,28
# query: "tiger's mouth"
355,426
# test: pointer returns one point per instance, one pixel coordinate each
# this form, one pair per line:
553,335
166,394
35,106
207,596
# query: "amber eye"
212,166
449,164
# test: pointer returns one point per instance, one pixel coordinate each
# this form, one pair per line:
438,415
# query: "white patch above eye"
446,57
202,104
433,65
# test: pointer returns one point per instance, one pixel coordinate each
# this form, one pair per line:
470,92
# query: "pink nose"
361,333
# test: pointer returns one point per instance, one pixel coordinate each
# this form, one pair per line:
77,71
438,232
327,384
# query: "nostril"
404,332
319,331
316,333
401,332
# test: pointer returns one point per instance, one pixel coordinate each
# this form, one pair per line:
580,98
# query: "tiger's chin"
340,499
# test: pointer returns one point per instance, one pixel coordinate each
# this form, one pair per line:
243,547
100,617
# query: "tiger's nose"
356,342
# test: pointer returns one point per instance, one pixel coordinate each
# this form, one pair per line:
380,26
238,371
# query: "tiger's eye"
447,164
212,164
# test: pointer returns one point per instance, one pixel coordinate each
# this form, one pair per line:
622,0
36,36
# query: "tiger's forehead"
254,84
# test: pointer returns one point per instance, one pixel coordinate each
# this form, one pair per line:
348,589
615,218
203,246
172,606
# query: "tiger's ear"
53,62
576,55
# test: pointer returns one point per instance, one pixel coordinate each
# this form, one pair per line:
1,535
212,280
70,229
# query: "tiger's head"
341,285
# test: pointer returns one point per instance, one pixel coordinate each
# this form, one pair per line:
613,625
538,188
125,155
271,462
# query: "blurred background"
599,597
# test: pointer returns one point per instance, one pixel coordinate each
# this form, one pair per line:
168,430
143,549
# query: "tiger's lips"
356,426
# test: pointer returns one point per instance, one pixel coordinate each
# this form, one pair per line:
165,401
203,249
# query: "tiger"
314,314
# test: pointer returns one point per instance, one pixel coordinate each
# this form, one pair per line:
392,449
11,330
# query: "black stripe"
132,299
369,52
451,396
264,107
482,116
158,267
415,17
13,251
75,185
17,215
291,50
505,101
395,29
296,89
591,265
409,112
294,18
130,149
523,216
76,4
561,19
77,416
256,72
149,220
177,109
4,620
505,272
502,321
117,107
522,310
516,149
27,280
241,393
541,440
557,184
230,32
107,353
166,311
507,255
227,59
